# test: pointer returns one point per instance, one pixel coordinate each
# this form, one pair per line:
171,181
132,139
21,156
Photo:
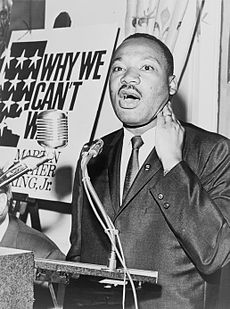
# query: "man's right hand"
169,138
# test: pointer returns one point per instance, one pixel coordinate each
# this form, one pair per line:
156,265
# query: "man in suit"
16,234
175,216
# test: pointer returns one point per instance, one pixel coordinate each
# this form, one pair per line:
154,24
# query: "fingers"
167,110
169,105
160,119
166,115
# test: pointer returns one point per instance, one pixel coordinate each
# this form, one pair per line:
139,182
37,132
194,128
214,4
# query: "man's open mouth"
129,94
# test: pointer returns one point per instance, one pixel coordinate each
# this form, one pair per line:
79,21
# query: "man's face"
139,84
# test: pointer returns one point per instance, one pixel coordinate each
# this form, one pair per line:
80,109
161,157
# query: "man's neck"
141,129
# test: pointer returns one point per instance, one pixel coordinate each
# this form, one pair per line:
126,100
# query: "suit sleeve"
76,208
197,208
56,254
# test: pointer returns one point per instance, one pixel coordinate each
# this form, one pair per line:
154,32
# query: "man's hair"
167,53
6,189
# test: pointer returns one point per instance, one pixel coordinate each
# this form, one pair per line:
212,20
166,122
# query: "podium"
93,276
19,270
16,278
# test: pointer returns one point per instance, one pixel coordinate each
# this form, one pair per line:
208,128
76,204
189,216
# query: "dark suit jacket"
176,224
20,236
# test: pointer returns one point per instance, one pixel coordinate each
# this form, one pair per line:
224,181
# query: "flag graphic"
19,72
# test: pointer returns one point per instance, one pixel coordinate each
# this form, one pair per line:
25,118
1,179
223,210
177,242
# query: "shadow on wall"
63,181
179,107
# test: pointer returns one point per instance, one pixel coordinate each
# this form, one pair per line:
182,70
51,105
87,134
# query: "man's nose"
130,76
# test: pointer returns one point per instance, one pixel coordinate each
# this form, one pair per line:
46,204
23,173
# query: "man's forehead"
144,48
140,44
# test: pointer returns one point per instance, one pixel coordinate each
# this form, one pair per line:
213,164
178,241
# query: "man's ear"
172,84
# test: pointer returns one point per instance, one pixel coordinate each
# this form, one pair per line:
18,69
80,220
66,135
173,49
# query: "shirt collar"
148,137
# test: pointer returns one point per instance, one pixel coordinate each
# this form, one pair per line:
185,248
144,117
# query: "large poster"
61,69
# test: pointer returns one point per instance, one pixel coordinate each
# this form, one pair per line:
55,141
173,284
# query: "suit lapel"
114,169
150,167
149,170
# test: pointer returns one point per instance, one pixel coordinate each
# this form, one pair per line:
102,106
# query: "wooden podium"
61,272
19,270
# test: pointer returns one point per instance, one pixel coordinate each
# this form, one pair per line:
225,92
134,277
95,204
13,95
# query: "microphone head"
52,129
93,149
96,147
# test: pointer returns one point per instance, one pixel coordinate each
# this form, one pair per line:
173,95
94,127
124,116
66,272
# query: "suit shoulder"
108,139
36,241
112,135
202,146
199,136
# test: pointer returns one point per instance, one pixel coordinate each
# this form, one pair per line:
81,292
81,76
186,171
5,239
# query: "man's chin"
132,125
135,125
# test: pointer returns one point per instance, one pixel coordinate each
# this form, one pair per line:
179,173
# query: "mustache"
128,87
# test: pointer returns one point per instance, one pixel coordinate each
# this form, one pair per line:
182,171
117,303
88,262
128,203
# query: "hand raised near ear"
169,138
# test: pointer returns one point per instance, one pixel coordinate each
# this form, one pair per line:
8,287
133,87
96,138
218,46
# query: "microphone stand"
24,166
109,227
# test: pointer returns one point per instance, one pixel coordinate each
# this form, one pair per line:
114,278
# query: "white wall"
88,12
224,112
198,91
82,12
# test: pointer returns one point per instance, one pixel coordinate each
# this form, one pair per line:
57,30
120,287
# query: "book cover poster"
61,69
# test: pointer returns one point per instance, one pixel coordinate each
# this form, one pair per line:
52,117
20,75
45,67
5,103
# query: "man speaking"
164,184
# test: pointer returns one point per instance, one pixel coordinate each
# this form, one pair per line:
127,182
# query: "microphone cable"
108,226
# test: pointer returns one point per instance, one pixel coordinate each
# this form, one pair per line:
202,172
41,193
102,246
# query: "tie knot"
137,142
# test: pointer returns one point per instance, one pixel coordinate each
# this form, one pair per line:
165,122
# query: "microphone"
22,167
94,149
52,129
52,133
90,151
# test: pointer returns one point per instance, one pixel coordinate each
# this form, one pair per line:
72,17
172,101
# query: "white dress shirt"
149,143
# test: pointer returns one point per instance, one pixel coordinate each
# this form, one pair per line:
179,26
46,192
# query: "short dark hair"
166,51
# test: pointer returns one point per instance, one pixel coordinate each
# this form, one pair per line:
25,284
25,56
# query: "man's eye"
147,68
117,69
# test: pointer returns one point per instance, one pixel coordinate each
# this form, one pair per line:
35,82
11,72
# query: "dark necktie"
133,164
